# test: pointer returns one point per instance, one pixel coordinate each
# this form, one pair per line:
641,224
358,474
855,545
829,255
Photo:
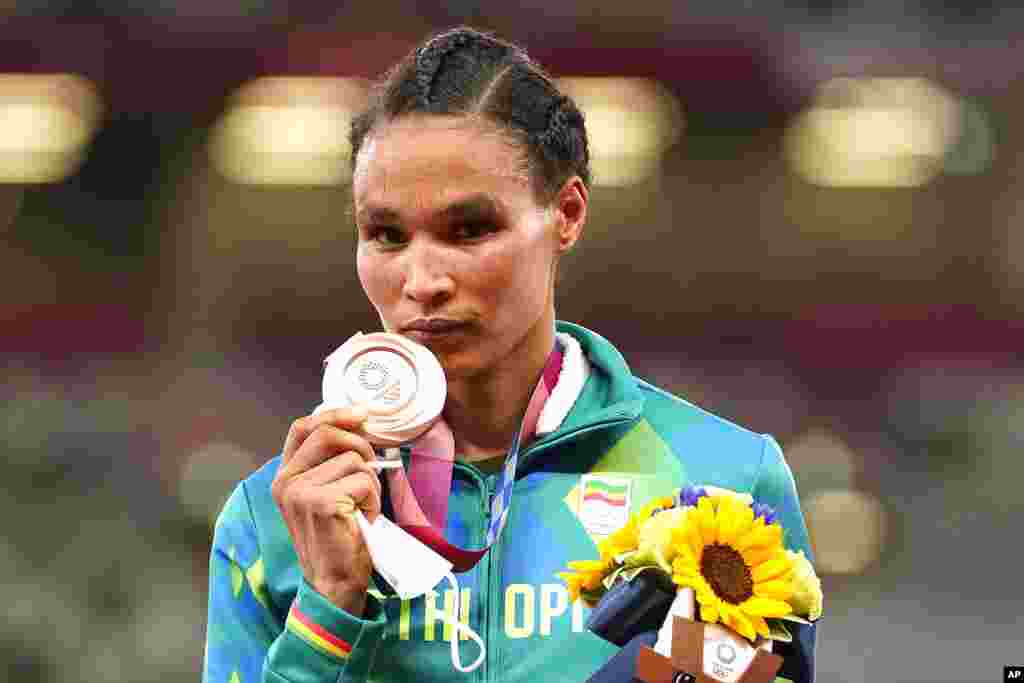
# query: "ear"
571,209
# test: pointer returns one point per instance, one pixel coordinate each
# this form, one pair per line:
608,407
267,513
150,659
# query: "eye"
386,236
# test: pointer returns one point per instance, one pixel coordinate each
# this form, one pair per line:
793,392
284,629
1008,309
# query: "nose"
427,279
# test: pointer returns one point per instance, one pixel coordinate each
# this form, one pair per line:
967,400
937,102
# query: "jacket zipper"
486,488
493,599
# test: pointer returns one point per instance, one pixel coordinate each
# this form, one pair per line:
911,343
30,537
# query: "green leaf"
610,580
777,631
796,619
642,558
633,572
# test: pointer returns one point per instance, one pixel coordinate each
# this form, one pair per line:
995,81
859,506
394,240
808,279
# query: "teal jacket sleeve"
250,639
775,487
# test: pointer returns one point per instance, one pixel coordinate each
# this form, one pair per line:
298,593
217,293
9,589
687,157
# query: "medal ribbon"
420,500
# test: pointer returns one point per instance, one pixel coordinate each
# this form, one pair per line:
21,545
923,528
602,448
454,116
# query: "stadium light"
822,460
631,123
46,123
874,132
207,476
288,131
848,529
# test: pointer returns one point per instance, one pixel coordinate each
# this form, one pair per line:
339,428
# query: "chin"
460,363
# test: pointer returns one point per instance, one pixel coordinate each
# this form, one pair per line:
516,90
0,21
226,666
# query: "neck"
484,411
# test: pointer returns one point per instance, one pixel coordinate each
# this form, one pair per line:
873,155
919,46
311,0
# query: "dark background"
162,322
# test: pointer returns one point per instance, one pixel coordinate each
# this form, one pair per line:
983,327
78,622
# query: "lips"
433,325
434,330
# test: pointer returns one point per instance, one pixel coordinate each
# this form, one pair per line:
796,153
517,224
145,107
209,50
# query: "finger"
338,467
364,490
346,506
297,433
332,469
298,496
348,418
326,441
340,497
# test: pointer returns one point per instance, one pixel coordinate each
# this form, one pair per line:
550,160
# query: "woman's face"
454,250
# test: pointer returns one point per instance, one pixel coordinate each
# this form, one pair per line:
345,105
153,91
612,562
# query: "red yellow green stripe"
604,498
607,487
316,635
606,492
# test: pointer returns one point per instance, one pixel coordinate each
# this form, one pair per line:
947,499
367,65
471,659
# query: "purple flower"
762,510
689,495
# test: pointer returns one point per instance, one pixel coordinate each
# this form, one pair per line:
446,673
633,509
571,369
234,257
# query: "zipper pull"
492,487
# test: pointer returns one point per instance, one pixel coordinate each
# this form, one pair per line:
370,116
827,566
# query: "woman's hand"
324,475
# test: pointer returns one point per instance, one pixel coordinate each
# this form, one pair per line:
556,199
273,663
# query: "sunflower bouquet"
724,546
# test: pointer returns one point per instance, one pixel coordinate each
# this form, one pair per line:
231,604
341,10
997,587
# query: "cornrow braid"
426,69
464,72
563,119
429,59
556,120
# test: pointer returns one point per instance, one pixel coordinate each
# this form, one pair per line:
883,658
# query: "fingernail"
360,412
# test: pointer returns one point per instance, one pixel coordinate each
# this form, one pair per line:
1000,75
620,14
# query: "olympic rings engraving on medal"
373,375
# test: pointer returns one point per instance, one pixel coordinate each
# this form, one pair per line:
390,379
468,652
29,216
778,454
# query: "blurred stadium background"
806,219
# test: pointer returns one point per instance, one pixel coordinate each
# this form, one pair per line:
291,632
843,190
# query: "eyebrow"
378,215
473,208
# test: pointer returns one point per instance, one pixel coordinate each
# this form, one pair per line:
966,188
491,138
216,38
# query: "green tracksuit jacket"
621,431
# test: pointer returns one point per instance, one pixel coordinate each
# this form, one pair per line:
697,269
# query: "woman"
470,182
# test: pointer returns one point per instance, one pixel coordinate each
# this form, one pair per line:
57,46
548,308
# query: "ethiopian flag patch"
604,503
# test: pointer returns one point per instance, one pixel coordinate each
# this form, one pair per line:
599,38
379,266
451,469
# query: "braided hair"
465,72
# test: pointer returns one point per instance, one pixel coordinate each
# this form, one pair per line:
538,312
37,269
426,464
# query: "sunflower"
655,545
735,563
587,576
627,539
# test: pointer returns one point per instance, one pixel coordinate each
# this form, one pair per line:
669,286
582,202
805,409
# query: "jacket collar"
610,396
